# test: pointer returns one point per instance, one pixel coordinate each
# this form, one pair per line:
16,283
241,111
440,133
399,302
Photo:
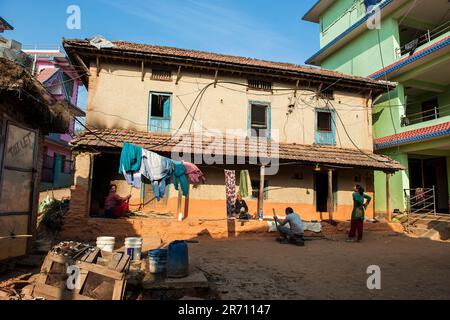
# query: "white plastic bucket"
106,243
133,247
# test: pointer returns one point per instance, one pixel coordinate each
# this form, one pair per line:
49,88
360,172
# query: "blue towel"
130,158
179,177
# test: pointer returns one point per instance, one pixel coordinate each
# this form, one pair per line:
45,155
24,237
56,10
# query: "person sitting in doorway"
241,208
295,230
116,206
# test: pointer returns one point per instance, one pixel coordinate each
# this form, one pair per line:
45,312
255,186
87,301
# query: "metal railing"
427,37
432,114
420,201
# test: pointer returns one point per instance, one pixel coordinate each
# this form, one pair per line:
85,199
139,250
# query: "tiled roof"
413,136
443,43
147,49
310,154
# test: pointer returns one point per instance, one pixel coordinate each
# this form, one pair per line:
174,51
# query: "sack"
359,212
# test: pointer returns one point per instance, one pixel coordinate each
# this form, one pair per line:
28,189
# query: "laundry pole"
261,191
180,198
330,200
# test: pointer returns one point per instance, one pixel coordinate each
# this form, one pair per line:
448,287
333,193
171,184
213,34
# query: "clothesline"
137,162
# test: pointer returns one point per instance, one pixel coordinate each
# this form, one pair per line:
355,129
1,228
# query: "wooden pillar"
388,197
330,200
180,197
186,203
261,190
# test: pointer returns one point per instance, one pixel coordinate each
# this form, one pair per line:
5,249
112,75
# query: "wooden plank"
53,293
114,261
118,290
91,258
123,263
101,270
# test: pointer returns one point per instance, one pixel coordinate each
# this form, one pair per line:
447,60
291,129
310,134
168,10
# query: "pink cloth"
112,200
195,176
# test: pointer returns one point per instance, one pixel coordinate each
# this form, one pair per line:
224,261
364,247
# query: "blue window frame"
324,127
160,112
259,119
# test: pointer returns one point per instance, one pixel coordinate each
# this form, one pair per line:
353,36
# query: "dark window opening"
160,106
259,120
324,121
430,109
327,94
260,84
255,189
161,75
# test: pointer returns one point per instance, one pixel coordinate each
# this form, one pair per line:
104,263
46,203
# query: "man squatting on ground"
296,228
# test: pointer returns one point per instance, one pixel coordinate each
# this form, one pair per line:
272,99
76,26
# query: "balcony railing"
427,37
432,114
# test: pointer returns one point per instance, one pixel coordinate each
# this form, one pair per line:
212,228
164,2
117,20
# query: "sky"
262,29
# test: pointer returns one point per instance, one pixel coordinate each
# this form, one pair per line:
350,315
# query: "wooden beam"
82,64
261,191
296,88
388,197
330,200
97,60
178,75
142,70
215,77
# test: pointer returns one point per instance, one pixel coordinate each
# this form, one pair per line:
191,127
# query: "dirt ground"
326,269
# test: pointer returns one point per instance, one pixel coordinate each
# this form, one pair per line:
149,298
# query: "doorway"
429,172
321,189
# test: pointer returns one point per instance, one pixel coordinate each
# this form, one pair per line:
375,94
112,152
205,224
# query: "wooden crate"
102,276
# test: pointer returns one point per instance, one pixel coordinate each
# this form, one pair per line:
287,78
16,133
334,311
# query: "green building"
408,42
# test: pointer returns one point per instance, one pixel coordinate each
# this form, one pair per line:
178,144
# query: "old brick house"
319,120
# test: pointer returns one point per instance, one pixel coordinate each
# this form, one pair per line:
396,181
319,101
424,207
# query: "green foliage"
53,214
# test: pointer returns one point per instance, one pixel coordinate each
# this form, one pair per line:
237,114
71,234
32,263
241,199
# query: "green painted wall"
361,56
340,16
399,181
387,113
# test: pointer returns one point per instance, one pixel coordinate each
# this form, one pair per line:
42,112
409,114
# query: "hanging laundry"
194,174
245,184
158,170
230,188
132,178
130,158
179,177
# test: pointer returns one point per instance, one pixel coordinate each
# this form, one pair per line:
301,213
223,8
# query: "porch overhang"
413,136
296,154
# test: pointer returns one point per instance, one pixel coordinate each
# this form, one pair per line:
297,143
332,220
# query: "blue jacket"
130,158
159,186
179,176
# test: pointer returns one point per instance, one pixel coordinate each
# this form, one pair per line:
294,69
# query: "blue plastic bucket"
157,260
178,260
